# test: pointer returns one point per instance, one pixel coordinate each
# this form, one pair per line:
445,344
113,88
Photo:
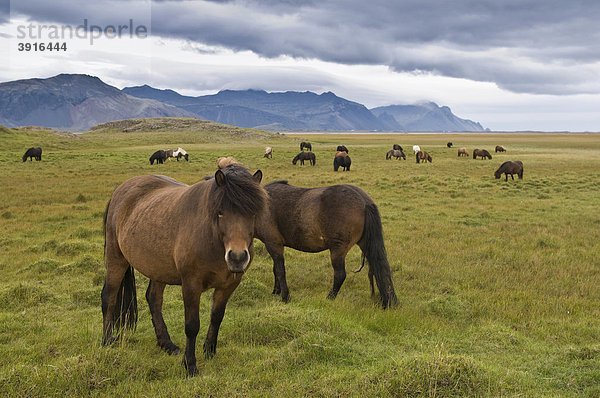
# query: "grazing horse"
310,220
396,153
180,153
33,153
397,147
500,148
514,167
449,145
416,148
209,247
423,157
481,153
159,156
268,152
306,145
342,148
463,152
342,160
302,156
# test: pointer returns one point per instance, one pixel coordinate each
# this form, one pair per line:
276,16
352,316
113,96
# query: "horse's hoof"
209,350
331,296
109,340
171,349
192,369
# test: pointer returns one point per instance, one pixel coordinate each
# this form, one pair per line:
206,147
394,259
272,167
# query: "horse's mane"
240,192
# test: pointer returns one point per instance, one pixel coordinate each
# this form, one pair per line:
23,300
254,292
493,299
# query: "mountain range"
77,102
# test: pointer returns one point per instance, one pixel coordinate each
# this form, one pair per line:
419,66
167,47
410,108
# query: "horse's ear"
258,176
220,178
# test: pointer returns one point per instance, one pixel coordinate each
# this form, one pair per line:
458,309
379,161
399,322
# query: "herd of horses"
211,246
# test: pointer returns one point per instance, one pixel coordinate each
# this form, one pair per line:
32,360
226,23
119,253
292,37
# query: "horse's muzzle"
237,261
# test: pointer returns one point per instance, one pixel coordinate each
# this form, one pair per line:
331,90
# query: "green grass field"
498,282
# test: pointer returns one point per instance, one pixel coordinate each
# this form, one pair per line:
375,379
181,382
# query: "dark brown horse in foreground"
514,167
333,218
210,246
423,157
481,153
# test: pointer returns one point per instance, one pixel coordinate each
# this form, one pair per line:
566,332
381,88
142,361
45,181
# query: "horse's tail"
417,157
373,249
126,313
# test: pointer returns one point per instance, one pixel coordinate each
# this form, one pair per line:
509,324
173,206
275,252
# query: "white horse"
268,152
179,153
416,148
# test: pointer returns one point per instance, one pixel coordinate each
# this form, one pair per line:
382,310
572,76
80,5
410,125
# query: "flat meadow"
498,282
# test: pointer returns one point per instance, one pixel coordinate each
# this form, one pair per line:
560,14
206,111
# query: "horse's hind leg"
154,296
338,261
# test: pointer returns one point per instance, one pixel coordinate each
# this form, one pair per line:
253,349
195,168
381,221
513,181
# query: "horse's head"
296,158
497,174
239,199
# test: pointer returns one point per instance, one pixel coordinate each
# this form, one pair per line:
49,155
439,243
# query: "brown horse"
209,246
423,157
463,152
302,156
481,153
308,219
395,153
515,167
342,161
500,148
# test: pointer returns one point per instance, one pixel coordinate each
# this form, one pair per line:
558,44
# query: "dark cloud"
532,46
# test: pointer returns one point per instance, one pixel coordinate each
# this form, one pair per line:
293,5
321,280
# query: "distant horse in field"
209,247
481,153
514,167
302,156
342,160
33,153
449,145
159,156
500,148
180,153
463,152
395,153
333,218
268,152
397,147
416,148
342,148
423,157
306,145
223,162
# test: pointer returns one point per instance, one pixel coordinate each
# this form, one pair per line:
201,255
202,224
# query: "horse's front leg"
338,261
191,300
154,296
220,298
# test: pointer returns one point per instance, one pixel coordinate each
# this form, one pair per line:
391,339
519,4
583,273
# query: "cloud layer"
526,46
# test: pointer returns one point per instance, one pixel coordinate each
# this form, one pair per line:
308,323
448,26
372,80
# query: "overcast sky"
508,64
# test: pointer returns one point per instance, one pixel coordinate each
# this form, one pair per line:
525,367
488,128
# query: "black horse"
342,161
159,156
449,145
302,156
342,148
31,153
397,147
306,145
